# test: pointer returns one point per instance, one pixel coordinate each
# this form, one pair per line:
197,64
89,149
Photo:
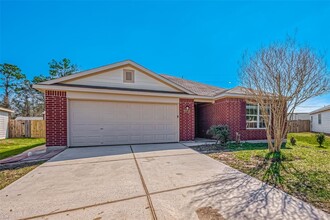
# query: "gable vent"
128,76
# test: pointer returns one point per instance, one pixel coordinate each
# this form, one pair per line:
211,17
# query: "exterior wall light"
187,109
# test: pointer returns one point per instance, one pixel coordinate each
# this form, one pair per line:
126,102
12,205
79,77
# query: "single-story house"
4,119
320,120
126,103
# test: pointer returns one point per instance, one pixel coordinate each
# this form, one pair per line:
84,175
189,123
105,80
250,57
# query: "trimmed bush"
220,133
320,138
293,141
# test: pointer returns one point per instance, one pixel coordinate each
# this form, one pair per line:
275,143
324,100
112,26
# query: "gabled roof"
325,108
112,66
185,87
238,90
195,87
6,110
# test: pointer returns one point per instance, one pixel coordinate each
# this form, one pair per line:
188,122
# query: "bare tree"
280,77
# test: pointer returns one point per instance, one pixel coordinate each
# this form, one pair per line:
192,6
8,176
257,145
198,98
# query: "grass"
302,170
14,146
7,176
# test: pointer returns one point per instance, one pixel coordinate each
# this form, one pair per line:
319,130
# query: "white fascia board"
111,66
6,110
42,88
84,73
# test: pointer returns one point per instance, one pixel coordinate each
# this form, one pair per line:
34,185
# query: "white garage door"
108,123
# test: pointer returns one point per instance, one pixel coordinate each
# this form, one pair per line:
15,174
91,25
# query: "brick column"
187,119
56,118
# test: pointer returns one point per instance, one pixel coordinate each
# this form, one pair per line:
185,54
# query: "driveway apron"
93,182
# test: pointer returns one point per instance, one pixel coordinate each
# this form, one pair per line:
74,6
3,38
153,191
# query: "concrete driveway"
156,181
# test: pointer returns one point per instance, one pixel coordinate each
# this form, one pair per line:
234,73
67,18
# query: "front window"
254,117
319,119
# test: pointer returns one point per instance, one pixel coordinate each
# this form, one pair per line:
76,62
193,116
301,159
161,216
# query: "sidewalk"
36,154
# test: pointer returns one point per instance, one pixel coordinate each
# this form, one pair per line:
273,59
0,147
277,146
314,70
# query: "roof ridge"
189,80
195,87
163,75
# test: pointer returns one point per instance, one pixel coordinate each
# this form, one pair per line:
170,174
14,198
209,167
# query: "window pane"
251,121
251,124
251,109
254,117
262,123
251,118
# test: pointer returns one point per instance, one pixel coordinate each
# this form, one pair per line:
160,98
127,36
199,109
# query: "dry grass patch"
9,175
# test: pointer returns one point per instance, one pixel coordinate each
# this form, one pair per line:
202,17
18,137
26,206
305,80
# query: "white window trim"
258,118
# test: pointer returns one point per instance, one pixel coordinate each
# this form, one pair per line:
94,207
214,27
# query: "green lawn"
304,170
14,146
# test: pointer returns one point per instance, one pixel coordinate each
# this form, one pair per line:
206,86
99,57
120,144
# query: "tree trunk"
6,101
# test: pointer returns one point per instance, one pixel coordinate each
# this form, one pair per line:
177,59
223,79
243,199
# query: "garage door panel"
116,127
85,129
123,138
170,127
109,138
160,137
86,140
171,136
161,127
110,123
84,114
86,117
147,137
136,127
136,138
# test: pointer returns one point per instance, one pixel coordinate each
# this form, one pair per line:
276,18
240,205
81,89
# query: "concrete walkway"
159,181
35,154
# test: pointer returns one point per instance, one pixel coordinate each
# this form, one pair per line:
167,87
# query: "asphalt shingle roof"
195,87
325,108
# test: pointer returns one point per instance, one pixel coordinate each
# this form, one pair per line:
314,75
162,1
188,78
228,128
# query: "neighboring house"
320,120
4,119
21,118
299,116
125,103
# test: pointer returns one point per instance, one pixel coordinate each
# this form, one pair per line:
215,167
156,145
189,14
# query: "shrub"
320,138
293,141
220,133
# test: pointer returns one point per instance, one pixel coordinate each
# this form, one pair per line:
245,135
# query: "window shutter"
243,115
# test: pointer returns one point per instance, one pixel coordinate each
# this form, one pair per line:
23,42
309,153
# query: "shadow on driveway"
240,196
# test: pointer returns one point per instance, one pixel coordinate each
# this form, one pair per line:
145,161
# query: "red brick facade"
187,119
56,118
230,111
